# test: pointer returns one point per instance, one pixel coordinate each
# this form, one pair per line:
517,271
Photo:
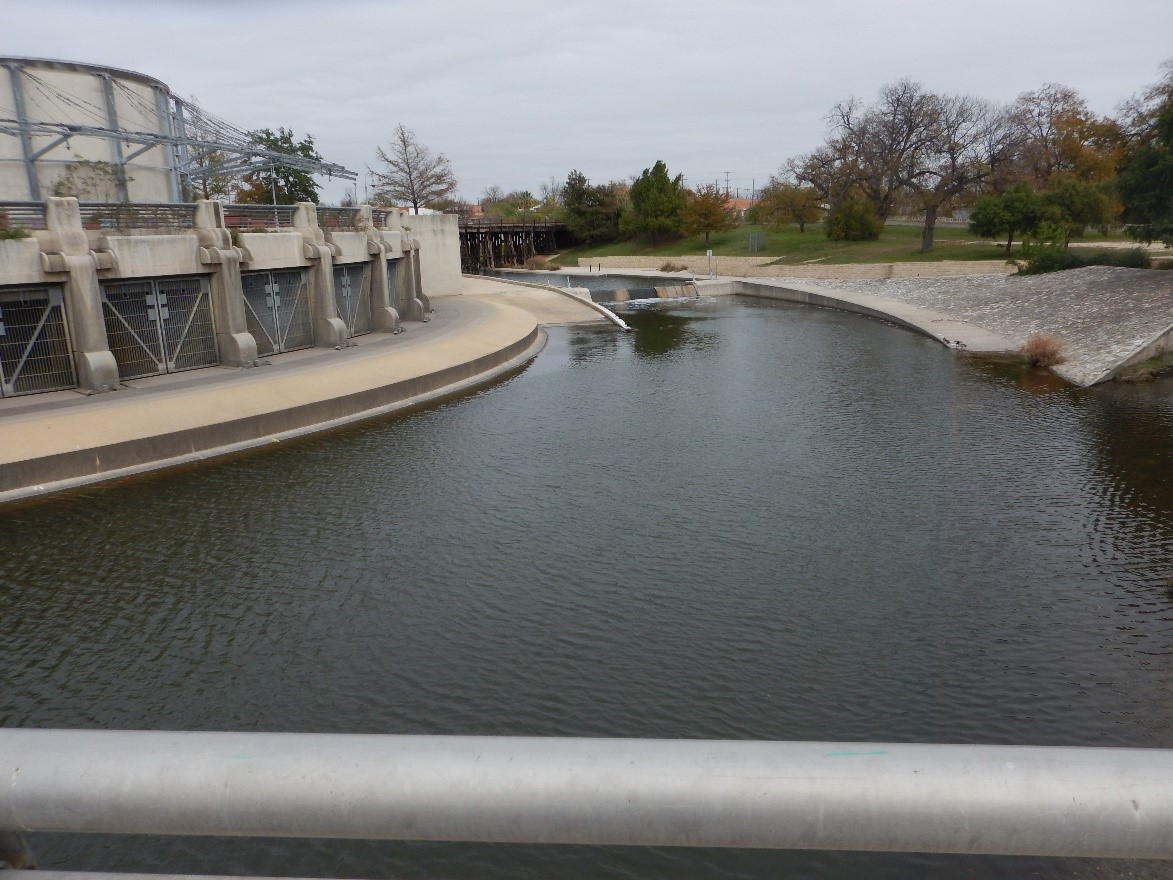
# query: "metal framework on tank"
190,135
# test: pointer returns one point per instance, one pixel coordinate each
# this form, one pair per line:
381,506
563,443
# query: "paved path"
765,267
61,440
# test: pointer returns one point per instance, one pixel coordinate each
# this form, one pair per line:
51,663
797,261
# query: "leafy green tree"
510,207
591,212
706,211
1073,205
853,219
782,203
1145,182
657,204
276,183
1018,210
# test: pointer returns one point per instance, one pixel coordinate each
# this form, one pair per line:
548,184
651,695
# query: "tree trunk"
1009,242
926,236
802,226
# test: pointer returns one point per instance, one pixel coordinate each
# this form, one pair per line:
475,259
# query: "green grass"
897,244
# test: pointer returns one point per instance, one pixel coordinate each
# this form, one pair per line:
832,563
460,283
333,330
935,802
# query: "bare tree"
936,147
413,175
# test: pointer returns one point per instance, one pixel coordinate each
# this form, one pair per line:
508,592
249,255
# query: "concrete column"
69,251
329,328
383,312
421,298
235,343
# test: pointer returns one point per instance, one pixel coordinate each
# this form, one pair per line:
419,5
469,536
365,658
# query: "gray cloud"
515,91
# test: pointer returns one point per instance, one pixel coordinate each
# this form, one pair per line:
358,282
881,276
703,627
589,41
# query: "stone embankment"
1107,317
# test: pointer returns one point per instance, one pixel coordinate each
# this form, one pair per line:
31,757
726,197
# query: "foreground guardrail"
1014,800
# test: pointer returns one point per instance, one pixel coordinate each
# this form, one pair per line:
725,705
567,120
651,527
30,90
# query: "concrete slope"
948,329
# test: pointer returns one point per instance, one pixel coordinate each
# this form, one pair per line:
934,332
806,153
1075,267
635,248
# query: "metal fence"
1011,800
35,354
159,326
352,295
124,217
337,218
277,307
261,217
22,215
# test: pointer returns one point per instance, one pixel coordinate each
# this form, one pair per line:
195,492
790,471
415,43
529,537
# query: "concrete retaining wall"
438,236
404,269
763,267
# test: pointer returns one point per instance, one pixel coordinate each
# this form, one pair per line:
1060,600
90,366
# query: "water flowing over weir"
608,288
744,520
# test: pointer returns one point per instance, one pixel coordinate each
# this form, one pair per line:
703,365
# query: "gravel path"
1103,314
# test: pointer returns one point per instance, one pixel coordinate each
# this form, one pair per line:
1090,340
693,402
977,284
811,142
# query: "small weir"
608,288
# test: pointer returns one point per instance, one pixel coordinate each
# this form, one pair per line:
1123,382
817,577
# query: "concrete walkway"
51,442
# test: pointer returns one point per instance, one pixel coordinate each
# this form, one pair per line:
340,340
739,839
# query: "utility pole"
726,184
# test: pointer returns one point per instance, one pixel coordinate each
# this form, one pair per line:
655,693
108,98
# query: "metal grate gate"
277,306
159,326
34,343
352,292
393,286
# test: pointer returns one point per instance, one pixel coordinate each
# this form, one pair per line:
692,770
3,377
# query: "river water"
745,520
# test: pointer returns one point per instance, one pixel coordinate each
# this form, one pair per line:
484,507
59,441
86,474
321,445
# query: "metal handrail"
258,216
136,215
337,218
1014,800
23,215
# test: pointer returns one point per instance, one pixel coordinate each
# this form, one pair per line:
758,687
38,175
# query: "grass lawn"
896,244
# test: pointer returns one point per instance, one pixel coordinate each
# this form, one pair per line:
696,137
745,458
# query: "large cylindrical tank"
57,120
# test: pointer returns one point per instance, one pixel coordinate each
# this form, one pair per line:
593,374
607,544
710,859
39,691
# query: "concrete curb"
73,468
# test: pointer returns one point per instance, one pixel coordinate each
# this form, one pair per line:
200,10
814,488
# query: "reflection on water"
661,329
744,520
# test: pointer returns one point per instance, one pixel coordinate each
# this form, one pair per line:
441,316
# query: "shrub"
8,232
1053,258
541,263
673,267
1043,350
853,219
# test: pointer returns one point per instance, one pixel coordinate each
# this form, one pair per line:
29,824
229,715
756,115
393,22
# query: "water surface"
745,520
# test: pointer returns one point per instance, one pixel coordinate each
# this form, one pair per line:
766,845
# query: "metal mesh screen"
159,326
132,328
352,292
185,311
278,310
258,309
34,344
393,287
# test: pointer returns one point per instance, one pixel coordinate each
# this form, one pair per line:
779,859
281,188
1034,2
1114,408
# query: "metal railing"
1013,800
125,216
259,217
337,218
22,215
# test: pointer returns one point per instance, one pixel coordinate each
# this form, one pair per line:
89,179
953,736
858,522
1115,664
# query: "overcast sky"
516,91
